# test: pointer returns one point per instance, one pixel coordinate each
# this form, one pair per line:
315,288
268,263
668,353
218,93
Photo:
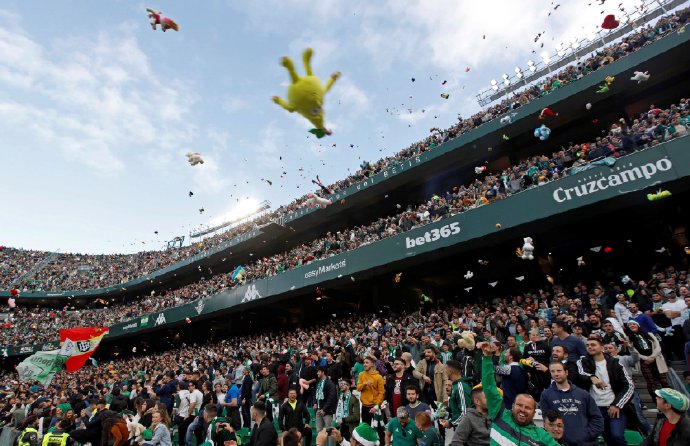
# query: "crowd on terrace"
76,271
647,130
430,350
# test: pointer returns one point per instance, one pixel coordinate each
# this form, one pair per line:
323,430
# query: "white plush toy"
194,158
479,170
528,249
135,430
314,200
640,77
509,118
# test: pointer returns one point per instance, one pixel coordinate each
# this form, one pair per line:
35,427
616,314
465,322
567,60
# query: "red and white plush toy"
314,201
547,113
156,18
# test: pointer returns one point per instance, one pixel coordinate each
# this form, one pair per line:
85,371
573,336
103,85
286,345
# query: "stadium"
482,226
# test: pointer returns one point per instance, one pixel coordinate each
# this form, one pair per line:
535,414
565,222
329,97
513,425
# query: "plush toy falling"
610,22
547,113
659,195
156,18
194,158
314,201
306,93
318,182
542,132
509,118
398,277
640,77
479,170
527,250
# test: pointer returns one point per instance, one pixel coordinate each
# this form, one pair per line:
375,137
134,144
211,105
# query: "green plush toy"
306,93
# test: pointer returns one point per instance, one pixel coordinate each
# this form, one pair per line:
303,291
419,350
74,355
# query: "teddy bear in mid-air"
194,158
305,93
527,251
156,18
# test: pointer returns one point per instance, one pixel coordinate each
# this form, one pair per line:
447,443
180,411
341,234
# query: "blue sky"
97,110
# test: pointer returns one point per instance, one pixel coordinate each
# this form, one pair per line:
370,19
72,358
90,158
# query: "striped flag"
78,344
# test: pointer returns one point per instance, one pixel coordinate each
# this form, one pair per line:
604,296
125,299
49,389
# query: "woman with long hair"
160,431
652,363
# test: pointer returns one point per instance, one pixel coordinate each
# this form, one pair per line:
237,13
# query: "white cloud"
96,101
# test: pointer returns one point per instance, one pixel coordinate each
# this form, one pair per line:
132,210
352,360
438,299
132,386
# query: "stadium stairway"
650,410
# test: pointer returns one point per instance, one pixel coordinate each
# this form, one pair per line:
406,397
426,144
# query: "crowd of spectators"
76,271
647,130
431,354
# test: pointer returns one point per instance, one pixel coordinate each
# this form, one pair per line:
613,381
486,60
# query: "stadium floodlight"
560,50
505,79
518,72
494,85
545,58
531,66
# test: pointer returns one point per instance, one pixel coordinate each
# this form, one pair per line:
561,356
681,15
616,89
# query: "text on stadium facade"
646,171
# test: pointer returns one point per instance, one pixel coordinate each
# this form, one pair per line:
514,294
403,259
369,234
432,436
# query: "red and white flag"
78,344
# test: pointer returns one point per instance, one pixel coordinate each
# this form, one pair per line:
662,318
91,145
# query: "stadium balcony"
600,193
412,179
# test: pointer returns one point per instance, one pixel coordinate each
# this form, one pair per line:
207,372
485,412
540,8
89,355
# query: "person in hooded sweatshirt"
372,391
581,417
475,426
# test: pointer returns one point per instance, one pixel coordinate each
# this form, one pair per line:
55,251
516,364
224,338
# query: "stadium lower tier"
590,195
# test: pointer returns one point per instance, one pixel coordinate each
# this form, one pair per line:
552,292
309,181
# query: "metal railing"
574,51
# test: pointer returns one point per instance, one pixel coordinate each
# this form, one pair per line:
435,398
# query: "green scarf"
343,408
319,392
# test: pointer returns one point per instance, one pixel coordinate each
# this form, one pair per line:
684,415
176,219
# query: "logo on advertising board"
433,235
26,349
160,320
325,268
130,326
251,294
200,306
623,175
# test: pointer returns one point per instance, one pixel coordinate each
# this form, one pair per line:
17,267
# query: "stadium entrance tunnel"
623,238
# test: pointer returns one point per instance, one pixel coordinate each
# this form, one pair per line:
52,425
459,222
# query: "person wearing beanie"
672,427
363,435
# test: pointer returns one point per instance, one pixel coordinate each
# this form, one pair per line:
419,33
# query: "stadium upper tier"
43,274
641,149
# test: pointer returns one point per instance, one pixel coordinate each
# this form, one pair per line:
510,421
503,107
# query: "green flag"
41,366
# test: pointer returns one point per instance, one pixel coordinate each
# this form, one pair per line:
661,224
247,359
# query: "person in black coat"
264,433
246,398
326,399
294,413
618,413
396,383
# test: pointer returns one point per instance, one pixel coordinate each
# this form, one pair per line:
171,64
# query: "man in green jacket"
514,426
459,399
268,391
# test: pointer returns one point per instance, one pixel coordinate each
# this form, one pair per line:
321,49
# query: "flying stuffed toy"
478,170
603,88
156,18
542,132
659,195
314,200
318,182
610,22
547,113
527,250
508,119
194,158
305,94
640,77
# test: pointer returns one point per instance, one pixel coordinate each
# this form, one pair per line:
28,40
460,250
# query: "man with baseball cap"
672,427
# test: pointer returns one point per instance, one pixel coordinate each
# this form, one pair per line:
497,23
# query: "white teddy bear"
194,158
528,249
